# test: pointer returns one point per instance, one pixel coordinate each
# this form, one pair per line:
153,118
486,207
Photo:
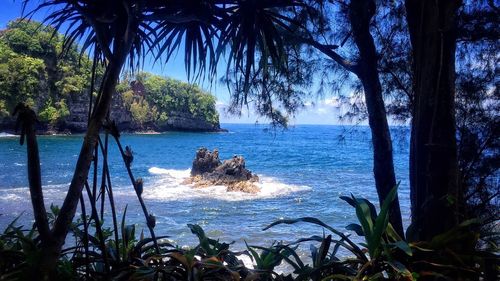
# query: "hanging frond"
253,30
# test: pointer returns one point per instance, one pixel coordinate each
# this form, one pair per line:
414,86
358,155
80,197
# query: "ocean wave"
11,197
175,174
14,195
168,185
6,135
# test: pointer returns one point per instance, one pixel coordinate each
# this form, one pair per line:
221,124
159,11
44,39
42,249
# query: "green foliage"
153,98
140,111
21,78
21,255
53,112
372,225
32,72
449,256
3,110
128,98
172,95
49,113
30,38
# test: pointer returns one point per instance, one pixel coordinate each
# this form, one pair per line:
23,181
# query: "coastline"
5,133
9,132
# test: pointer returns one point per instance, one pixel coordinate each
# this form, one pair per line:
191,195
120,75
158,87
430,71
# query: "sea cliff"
78,108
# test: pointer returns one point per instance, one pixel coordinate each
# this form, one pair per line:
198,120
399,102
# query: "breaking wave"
168,185
6,135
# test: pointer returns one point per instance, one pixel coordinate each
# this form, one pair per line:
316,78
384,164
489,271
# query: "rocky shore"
209,170
76,122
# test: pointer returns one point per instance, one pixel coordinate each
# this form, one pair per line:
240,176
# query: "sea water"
303,170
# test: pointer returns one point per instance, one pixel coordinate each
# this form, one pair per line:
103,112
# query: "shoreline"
11,133
5,133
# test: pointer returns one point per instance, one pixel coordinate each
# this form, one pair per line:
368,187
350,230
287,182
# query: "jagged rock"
244,186
205,161
208,170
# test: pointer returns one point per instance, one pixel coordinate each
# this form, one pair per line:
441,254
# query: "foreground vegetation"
120,254
97,252
264,65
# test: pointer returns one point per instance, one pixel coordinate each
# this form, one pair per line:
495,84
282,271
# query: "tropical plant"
383,256
386,255
20,254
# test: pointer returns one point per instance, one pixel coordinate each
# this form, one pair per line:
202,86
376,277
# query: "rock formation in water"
208,170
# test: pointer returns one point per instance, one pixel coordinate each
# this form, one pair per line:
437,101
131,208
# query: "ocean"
303,170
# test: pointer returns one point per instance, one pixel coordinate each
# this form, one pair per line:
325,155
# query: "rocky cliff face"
76,122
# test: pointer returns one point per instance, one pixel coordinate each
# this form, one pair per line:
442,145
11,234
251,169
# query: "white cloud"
322,110
334,101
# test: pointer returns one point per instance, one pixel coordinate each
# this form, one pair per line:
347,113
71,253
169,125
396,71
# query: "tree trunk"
433,148
68,209
360,15
122,44
35,177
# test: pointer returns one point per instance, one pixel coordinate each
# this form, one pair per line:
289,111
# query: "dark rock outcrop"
205,161
187,122
208,170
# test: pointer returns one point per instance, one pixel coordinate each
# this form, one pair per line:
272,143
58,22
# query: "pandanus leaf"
349,244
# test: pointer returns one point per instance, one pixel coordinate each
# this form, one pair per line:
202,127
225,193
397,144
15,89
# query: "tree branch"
329,51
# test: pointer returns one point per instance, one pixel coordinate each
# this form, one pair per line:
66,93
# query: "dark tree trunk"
124,38
68,209
360,15
433,148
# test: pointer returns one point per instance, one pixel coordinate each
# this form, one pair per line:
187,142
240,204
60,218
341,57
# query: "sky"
322,111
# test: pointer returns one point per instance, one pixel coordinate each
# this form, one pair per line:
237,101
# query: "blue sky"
317,111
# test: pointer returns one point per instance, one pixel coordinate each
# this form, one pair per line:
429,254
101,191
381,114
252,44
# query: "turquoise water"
303,171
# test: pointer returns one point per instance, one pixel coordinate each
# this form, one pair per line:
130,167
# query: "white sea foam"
10,197
169,186
166,185
52,193
6,135
175,174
